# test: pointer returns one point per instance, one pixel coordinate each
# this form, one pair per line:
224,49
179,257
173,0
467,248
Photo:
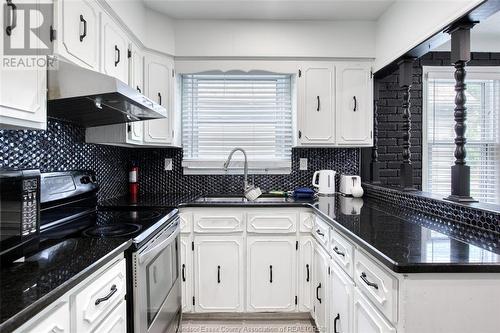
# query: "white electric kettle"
324,181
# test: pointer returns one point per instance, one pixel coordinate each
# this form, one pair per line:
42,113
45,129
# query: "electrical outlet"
168,164
303,164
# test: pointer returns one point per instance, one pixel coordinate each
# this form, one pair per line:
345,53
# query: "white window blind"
221,112
483,131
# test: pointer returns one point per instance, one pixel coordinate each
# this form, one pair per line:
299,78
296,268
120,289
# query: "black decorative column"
405,82
374,164
460,55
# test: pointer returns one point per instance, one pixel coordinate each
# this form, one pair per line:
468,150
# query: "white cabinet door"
271,273
114,49
316,110
186,270
158,76
116,322
78,27
55,320
320,287
341,296
367,319
306,250
354,104
135,130
23,91
218,273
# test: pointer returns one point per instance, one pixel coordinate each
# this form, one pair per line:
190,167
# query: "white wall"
227,38
408,23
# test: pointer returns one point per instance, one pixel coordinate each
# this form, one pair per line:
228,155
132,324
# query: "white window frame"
472,72
211,167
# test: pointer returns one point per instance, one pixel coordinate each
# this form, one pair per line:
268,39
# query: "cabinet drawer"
377,284
186,222
306,222
218,221
53,320
321,231
343,252
271,222
116,322
97,299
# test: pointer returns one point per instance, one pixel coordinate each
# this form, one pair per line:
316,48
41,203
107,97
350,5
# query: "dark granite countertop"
28,287
404,240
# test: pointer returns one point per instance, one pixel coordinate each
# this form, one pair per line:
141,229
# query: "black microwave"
19,212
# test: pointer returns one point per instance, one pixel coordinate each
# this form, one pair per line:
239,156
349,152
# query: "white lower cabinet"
321,287
271,272
97,304
116,322
367,319
55,320
305,280
186,270
341,296
219,269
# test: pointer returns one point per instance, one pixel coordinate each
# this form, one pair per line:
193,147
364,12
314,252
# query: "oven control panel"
29,206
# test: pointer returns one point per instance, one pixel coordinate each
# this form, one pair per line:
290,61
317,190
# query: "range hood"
89,98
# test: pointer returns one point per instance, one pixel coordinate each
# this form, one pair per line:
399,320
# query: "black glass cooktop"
130,224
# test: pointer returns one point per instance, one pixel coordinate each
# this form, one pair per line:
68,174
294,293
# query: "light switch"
303,164
168,164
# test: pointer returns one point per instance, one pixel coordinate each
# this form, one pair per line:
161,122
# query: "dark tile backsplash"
154,179
62,147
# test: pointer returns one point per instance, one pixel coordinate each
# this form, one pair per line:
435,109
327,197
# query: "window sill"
211,167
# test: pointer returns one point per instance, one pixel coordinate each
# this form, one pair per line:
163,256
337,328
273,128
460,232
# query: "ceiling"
271,9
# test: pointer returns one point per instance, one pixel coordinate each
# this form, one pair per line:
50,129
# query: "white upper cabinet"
271,273
135,129
158,78
114,48
316,116
23,91
354,104
78,32
219,269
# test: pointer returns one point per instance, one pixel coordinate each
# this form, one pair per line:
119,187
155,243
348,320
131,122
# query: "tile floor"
247,325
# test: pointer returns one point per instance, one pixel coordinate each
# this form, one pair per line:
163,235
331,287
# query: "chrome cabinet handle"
112,291
159,98
317,109
317,293
336,250
13,21
371,284
84,34
319,232
117,55
183,273
218,274
271,273
355,104
307,277
335,323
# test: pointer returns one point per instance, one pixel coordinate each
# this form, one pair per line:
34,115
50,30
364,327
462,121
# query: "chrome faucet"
245,166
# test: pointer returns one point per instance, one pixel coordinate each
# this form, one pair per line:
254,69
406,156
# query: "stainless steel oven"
156,282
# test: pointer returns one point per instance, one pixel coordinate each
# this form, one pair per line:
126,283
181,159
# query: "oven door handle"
153,252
